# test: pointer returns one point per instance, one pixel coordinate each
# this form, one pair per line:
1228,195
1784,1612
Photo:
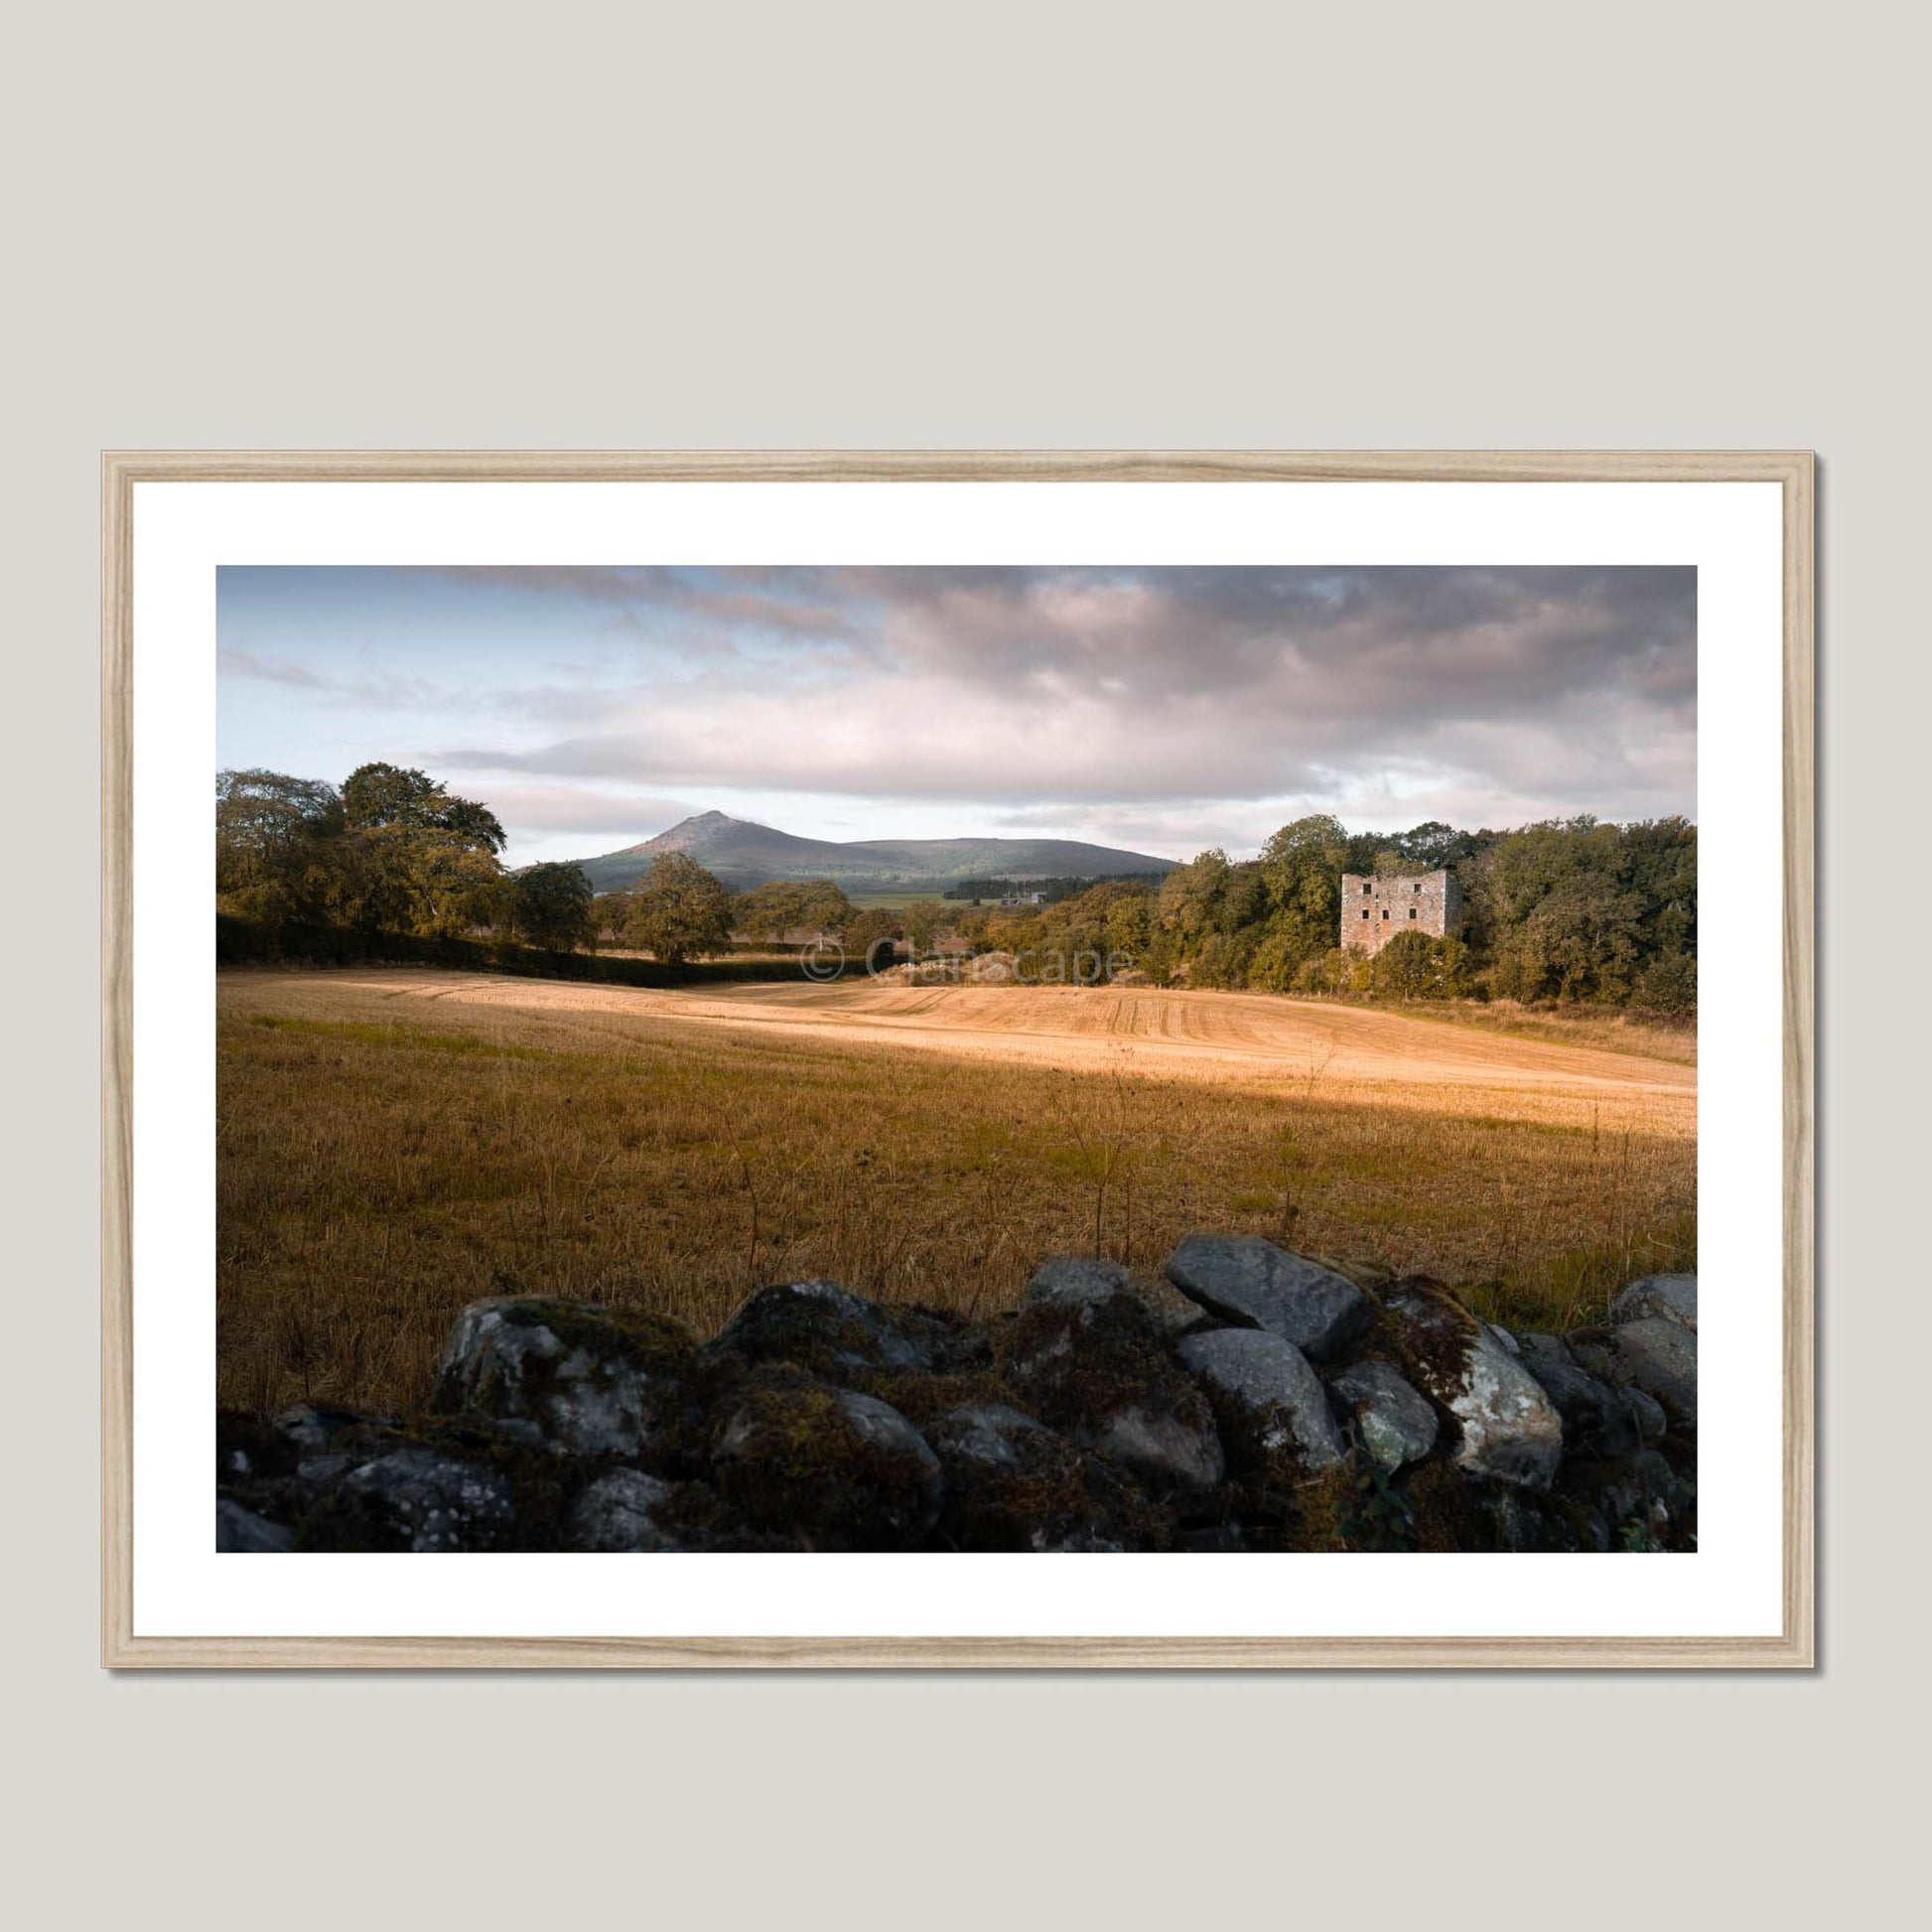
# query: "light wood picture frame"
123,1646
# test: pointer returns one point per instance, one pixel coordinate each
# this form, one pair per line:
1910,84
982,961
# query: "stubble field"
394,1144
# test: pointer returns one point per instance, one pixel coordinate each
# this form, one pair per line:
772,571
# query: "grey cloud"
370,689
1338,644
234,662
1178,697
786,600
1349,643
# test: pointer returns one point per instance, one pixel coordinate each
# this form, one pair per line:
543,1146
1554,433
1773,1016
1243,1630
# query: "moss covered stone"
1394,1424
829,1469
1011,1483
822,1328
1269,1404
1101,1370
820,1421
1250,1283
1508,1429
583,1379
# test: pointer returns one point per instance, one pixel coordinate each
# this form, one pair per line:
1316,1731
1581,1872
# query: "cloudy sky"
1161,709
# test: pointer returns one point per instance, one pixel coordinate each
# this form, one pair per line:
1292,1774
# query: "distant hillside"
744,855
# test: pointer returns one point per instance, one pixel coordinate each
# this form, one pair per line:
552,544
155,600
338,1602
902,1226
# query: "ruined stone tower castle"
1374,911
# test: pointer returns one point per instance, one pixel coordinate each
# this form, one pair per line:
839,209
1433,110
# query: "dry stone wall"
1248,1399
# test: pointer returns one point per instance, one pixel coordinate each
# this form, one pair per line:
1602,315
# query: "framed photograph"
957,1060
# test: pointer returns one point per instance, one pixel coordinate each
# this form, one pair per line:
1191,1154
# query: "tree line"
388,850
1569,910
394,850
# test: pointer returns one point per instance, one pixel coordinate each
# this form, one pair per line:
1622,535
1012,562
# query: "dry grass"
1608,1030
384,1162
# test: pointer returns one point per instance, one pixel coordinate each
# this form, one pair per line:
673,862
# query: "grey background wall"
1113,225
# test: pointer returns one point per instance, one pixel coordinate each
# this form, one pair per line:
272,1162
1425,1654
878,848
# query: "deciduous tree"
679,912
550,905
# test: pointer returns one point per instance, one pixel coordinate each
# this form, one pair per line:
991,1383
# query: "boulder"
424,1500
247,1450
625,1510
321,1443
1077,1278
1174,1314
1522,1521
307,1429
1392,1423
1109,1412
827,1467
1658,1355
1013,1484
1101,1371
989,1435
1509,1429
1597,1418
332,1479
1535,1348
1671,1298
583,1379
1256,1285
1644,1502
241,1530
834,1333
1654,1355
1082,1277
1269,1403
1172,1452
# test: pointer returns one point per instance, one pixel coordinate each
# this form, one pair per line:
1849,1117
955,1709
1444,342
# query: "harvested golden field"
395,1143
1648,1036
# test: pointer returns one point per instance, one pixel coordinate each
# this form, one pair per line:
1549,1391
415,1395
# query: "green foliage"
788,905
456,886
1431,846
1370,1514
1576,910
1670,984
273,836
1191,900
1419,966
381,795
1567,910
926,919
550,907
677,911
1081,934
393,851
864,931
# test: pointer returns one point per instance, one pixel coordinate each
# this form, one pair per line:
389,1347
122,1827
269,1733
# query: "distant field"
894,896
394,1144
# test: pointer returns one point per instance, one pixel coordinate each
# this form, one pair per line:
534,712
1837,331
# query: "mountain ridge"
744,854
